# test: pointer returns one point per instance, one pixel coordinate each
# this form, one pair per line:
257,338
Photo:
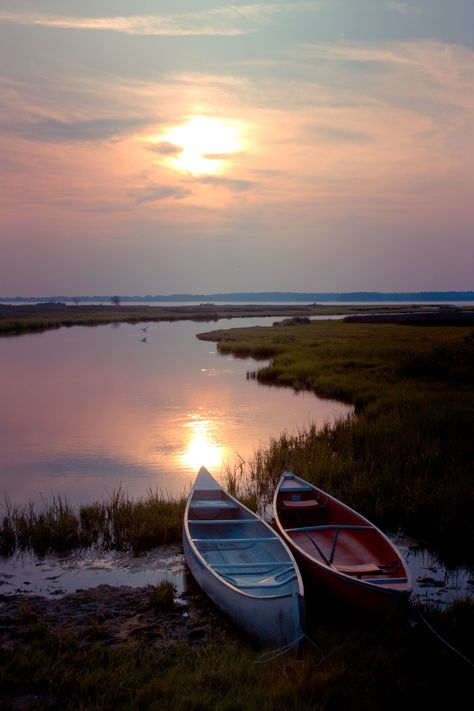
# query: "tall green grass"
121,523
405,459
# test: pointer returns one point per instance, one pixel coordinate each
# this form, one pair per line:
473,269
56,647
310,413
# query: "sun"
202,145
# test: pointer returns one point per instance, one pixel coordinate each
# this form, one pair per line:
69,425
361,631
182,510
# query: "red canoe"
340,550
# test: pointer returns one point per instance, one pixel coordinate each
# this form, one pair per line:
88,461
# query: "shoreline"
18,319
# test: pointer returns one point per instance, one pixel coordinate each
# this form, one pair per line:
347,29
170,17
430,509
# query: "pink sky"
213,147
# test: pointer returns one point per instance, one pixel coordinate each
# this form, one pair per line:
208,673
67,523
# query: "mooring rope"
275,653
444,641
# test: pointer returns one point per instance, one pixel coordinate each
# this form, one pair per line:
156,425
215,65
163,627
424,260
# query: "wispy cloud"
164,148
229,20
55,131
221,181
156,193
402,8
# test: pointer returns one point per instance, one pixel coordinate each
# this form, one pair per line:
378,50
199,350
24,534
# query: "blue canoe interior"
238,546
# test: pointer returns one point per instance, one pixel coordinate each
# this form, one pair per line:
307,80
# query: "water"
56,575
85,411
433,584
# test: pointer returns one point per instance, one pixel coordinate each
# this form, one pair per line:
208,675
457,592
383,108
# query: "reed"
121,523
138,525
162,596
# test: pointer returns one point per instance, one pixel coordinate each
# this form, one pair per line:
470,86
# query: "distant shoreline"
20,319
264,296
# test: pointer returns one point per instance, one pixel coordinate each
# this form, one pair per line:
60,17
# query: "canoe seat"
296,489
221,521
301,504
210,509
270,564
239,541
387,581
329,527
213,504
262,580
360,569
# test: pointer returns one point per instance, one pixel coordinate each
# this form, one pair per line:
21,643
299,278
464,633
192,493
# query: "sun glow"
201,449
200,146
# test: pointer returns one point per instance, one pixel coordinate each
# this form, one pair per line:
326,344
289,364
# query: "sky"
158,146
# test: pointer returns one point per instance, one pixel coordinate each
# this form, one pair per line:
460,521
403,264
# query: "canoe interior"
336,537
238,546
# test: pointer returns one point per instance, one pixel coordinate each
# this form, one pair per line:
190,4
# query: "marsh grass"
162,596
396,667
405,458
121,523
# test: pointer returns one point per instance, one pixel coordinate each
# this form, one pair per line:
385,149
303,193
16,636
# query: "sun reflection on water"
201,447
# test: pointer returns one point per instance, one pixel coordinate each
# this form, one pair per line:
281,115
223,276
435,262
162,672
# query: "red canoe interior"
337,537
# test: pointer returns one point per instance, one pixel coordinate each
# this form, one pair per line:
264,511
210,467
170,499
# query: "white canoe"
242,564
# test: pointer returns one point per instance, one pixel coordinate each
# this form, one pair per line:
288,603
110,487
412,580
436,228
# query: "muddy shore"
116,615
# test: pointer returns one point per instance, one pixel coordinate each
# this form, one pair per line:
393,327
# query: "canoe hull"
376,584
243,566
273,622
355,597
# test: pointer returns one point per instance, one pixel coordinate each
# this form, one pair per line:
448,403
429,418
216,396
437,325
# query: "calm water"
87,410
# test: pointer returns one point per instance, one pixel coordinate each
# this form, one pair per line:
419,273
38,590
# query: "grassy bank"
48,665
121,523
406,459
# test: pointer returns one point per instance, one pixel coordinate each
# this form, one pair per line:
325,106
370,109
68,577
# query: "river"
88,410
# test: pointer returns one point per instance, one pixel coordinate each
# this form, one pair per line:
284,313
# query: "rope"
275,653
444,641
316,647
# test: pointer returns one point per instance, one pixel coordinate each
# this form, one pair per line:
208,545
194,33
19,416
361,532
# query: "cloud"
55,131
156,193
165,148
402,8
334,134
230,20
237,184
